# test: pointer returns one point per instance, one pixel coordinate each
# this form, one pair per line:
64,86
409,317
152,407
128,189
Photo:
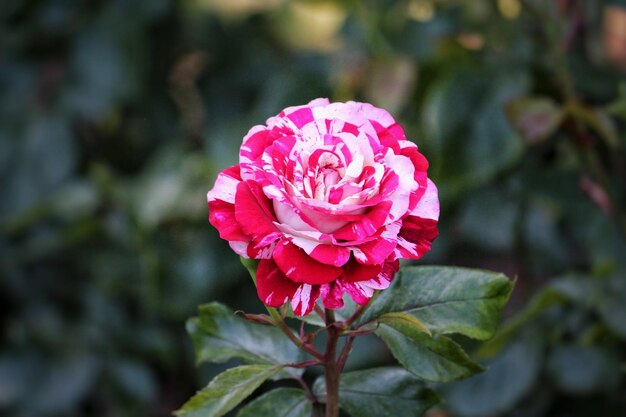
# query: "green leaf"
446,300
227,390
402,318
618,107
535,118
468,103
436,359
612,306
251,265
605,295
381,392
218,335
281,402
583,370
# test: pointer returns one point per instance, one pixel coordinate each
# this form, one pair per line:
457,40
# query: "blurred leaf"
77,199
281,402
446,299
101,73
381,392
545,244
606,296
41,162
612,305
306,25
18,373
535,118
65,384
226,391
237,9
218,335
391,83
508,378
464,121
420,40
171,187
19,83
581,289
583,370
542,301
136,379
595,119
435,359
618,107
600,238
493,206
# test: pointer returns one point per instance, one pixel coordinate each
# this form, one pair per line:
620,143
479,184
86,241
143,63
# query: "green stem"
331,368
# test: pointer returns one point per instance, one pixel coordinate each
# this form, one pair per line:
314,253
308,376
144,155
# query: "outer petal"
355,271
405,170
377,115
225,185
272,285
362,291
253,212
260,252
300,267
304,299
359,292
416,237
376,251
240,248
221,201
384,278
332,295
254,143
428,206
222,217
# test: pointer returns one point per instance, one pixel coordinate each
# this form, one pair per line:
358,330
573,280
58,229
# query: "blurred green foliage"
115,117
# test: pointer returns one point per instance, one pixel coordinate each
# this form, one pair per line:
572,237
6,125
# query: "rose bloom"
329,196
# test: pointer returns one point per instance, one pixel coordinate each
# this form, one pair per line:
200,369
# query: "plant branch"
307,390
280,323
305,364
345,352
331,369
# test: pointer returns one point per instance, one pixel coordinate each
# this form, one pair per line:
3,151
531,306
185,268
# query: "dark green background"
116,116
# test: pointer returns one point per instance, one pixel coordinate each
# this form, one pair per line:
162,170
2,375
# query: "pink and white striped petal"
358,291
273,287
254,214
428,206
300,267
304,299
332,295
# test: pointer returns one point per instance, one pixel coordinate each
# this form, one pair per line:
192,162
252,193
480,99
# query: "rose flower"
329,196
